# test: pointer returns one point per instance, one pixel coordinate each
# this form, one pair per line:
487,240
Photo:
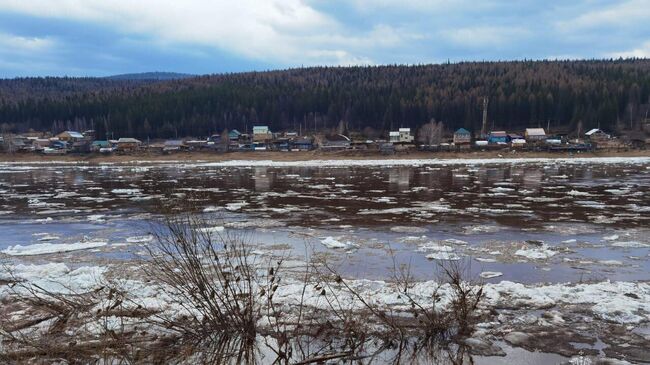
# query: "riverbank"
309,155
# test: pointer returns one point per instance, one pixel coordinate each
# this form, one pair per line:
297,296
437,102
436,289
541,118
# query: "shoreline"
288,158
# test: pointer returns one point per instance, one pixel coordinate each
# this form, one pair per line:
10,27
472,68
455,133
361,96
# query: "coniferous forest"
565,95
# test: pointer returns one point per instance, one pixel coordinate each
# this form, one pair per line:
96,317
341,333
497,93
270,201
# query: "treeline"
611,94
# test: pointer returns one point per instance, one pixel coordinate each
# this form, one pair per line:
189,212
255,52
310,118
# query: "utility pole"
484,127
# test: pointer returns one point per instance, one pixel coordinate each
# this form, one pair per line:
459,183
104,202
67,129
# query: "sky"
107,37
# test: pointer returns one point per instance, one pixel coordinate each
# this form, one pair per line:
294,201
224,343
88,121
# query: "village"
402,140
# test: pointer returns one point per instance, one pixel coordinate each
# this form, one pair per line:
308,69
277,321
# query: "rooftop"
128,140
498,134
535,131
594,131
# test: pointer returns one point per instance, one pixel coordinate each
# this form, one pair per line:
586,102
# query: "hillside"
151,76
611,94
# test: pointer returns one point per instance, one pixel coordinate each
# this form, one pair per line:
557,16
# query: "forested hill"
610,94
151,76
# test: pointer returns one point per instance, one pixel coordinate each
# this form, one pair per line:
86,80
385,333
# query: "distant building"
173,145
81,146
96,146
302,144
234,134
70,136
261,133
393,137
405,135
462,136
498,137
513,136
41,143
535,135
128,144
518,142
596,134
335,142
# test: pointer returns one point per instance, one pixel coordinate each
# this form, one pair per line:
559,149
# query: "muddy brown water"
594,218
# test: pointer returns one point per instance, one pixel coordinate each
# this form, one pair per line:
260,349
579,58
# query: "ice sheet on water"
47,248
490,274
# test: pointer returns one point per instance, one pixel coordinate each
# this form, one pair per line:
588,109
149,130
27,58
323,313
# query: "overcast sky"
105,37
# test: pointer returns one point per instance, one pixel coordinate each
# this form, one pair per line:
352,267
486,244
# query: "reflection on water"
399,178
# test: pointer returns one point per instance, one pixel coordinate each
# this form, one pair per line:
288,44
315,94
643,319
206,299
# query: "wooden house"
535,135
498,137
128,144
262,133
405,135
70,136
462,137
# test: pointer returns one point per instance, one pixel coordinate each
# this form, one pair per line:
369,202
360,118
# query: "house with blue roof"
462,136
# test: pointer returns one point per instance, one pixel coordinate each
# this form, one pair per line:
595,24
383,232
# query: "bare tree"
431,133
225,140
342,127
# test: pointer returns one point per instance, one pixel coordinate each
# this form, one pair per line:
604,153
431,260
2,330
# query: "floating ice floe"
454,241
500,189
578,193
536,253
617,191
126,191
483,259
611,262
140,239
236,206
47,248
331,242
432,246
444,256
96,217
255,223
490,274
406,229
630,244
214,229
212,209
48,237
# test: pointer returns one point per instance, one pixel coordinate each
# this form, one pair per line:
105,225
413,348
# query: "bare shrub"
429,326
213,278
